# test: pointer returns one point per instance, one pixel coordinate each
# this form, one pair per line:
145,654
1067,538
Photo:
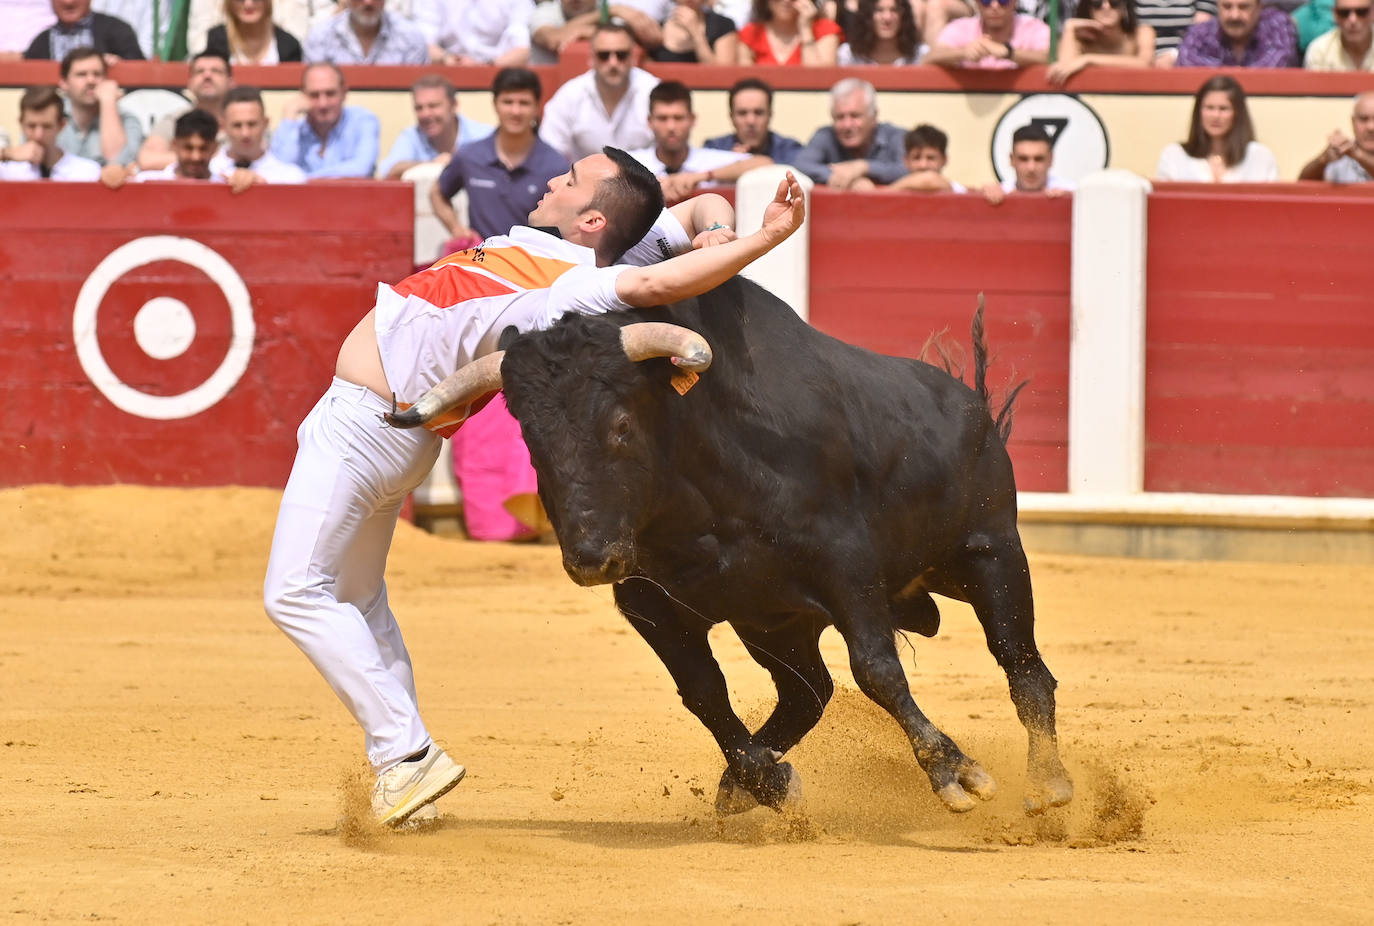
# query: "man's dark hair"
244,95
751,83
1130,19
926,136
631,200
37,99
514,80
435,82
670,91
1030,132
197,122
228,66
1242,130
79,54
614,24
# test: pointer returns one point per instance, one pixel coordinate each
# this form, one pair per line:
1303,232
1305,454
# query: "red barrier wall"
308,258
1260,341
888,269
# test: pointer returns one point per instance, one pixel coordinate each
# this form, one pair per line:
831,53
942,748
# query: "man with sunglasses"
1346,47
1245,35
608,105
998,37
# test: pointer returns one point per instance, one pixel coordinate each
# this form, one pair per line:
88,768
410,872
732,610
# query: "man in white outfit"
324,586
607,105
39,157
245,160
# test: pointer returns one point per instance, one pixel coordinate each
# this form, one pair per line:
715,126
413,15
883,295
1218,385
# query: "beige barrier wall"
1138,126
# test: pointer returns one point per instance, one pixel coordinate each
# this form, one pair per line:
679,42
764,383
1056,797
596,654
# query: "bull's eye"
620,428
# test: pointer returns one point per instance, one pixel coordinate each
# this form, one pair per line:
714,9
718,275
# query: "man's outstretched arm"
704,269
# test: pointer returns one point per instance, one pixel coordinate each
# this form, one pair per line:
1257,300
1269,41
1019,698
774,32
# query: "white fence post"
785,270
1107,337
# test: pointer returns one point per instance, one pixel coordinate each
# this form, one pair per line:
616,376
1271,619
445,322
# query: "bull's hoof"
1054,792
732,797
785,793
955,799
977,781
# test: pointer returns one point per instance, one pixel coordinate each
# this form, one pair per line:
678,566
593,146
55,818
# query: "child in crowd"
926,157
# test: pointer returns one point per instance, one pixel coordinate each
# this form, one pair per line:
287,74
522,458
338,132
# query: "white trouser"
324,585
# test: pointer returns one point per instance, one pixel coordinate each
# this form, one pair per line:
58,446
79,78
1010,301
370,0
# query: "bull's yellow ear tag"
684,380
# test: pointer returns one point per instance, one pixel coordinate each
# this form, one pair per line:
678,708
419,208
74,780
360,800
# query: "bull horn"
459,388
688,349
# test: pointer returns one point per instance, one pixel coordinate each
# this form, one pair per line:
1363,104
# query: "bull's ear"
507,337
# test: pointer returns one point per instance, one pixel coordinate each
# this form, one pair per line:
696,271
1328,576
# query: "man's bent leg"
348,466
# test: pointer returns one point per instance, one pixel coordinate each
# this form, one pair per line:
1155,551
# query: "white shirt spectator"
68,167
698,159
576,123
23,19
269,167
482,30
1258,166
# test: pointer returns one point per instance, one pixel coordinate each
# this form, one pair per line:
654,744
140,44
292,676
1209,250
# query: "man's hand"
242,178
712,236
29,151
994,194
114,175
107,92
843,174
787,211
679,186
1338,145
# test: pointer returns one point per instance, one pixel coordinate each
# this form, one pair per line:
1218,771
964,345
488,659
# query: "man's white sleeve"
666,239
587,290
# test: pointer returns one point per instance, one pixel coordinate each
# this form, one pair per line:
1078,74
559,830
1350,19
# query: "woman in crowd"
248,36
790,32
883,32
1221,146
1105,33
695,33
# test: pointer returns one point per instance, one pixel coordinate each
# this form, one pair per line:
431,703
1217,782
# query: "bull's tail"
1001,417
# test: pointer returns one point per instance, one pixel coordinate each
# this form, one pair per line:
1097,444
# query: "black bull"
801,483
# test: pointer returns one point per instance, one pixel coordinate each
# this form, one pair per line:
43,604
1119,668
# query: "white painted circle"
137,253
164,327
1080,142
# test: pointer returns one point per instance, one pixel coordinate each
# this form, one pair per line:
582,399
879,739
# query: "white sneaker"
423,818
405,788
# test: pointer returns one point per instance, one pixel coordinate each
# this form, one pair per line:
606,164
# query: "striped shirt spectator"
366,33
1171,19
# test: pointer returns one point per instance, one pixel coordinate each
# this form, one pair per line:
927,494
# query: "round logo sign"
1077,136
164,327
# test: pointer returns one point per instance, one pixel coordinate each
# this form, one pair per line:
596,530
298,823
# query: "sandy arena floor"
169,756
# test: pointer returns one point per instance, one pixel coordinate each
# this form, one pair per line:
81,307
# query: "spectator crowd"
77,129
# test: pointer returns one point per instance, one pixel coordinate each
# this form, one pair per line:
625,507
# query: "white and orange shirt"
436,321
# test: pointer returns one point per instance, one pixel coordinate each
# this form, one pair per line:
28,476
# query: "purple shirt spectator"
1273,44
500,199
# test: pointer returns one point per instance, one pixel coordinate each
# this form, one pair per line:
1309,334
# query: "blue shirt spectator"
780,148
414,145
349,149
499,197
